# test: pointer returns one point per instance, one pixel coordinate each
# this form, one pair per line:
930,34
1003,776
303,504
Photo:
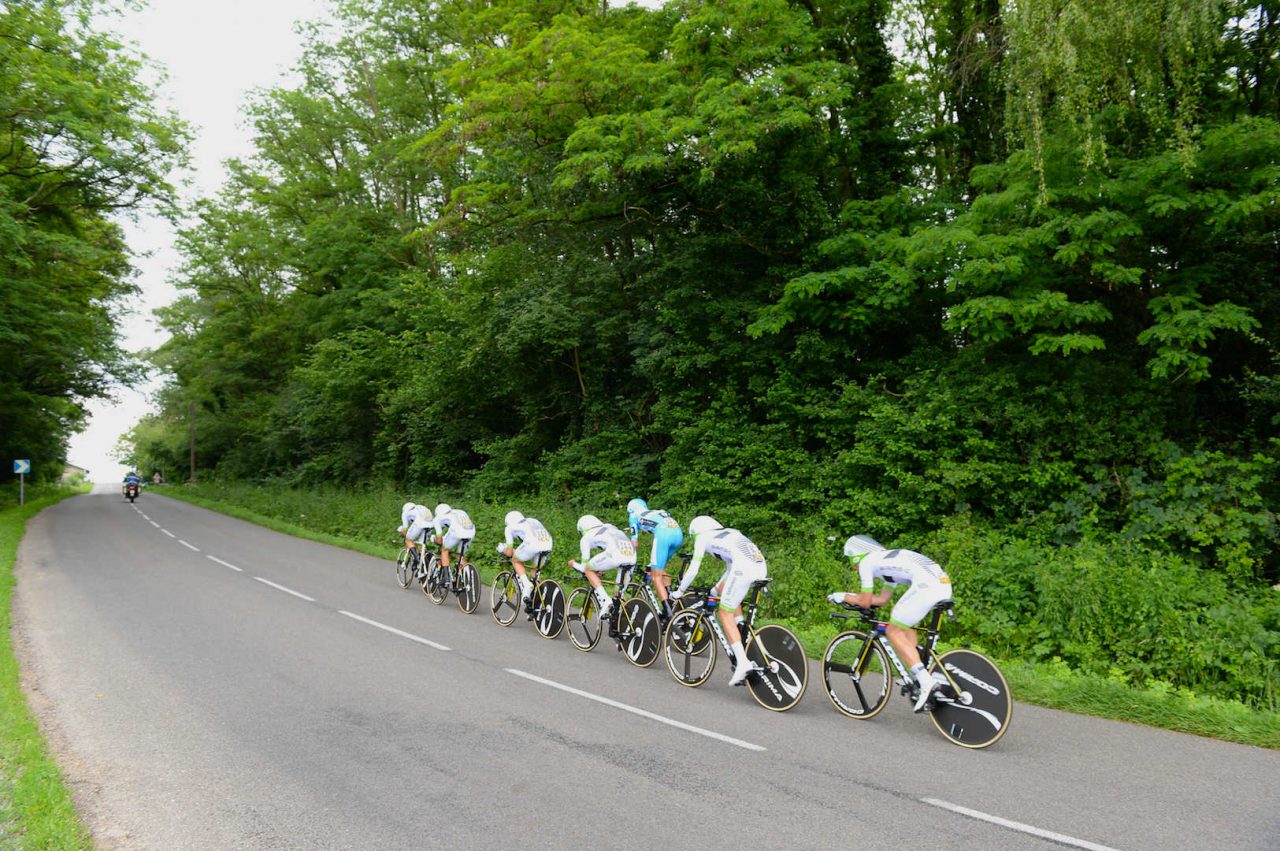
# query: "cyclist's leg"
737,581
908,612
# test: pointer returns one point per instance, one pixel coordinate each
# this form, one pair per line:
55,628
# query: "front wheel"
639,633
974,709
583,619
468,588
856,675
436,585
404,567
548,608
504,598
690,648
784,673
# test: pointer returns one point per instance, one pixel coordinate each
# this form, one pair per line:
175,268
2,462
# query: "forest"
994,280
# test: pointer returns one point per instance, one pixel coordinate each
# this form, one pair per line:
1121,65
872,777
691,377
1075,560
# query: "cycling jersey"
454,527
534,539
744,564
615,549
419,524
929,583
667,536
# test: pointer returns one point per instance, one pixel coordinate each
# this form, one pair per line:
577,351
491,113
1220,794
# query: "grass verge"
366,522
35,804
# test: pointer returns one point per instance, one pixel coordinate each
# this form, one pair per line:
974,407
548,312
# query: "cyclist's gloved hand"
502,549
836,597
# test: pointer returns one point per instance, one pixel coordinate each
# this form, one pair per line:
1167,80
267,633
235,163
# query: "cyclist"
929,585
616,553
535,546
415,520
744,564
454,530
667,538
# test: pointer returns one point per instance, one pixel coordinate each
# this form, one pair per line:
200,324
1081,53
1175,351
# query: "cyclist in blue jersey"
667,538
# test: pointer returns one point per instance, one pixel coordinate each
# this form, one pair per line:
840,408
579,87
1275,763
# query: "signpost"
22,466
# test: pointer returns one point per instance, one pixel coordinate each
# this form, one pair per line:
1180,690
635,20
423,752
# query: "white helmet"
703,523
637,506
442,509
859,546
408,506
588,521
422,511
513,517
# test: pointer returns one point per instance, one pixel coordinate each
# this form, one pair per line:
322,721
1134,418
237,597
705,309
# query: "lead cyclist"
744,564
929,585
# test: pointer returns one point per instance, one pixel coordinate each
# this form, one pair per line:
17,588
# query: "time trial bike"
632,621
972,709
545,606
460,577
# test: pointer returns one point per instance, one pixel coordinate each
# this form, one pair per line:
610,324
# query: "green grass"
365,521
35,805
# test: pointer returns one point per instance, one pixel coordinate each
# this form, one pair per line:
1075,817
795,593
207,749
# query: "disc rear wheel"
975,707
548,609
785,668
639,633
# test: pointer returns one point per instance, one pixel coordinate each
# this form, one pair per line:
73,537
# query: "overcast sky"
214,52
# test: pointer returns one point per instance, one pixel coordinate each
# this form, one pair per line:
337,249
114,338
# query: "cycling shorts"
451,539
919,599
666,541
530,550
608,559
736,582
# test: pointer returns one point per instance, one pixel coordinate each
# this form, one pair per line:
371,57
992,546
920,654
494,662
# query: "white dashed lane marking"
225,563
285,590
188,546
1060,838
393,630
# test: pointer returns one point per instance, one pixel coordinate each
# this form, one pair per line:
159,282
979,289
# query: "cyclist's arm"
585,548
653,553
699,550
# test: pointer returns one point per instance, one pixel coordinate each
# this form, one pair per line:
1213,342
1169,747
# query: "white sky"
214,52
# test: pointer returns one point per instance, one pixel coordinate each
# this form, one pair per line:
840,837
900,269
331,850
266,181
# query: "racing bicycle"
781,668
460,577
545,607
632,622
412,563
972,709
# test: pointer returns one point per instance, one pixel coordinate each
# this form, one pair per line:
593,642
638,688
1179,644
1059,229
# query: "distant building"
71,471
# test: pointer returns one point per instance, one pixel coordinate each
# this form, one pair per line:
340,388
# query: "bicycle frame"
876,635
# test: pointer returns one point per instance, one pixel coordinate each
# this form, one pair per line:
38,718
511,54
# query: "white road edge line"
167,532
393,630
188,546
224,563
154,523
284,589
643,713
144,517
1060,838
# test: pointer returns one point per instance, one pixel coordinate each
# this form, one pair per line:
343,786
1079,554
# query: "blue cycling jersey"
667,535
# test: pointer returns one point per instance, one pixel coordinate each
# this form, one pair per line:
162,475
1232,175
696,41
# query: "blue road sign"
22,465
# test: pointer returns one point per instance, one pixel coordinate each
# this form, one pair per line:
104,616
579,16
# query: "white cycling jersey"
454,527
534,539
744,564
419,523
616,549
929,583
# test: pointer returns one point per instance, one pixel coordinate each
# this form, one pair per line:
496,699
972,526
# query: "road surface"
207,683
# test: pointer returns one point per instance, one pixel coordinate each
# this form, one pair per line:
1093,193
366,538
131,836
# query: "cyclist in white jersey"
454,530
415,520
744,564
929,585
535,545
616,553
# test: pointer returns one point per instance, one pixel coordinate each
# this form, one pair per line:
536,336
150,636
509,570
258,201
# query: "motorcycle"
131,491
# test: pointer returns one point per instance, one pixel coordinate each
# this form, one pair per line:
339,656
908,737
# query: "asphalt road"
207,683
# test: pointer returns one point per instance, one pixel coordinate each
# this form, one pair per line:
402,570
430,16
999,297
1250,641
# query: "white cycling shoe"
741,673
927,688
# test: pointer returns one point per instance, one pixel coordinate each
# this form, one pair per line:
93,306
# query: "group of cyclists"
605,547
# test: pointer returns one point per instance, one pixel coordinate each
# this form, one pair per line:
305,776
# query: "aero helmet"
422,511
859,546
637,506
513,517
703,523
588,521
442,509
408,506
